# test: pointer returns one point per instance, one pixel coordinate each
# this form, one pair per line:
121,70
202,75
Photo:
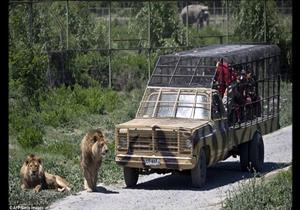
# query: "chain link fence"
116,43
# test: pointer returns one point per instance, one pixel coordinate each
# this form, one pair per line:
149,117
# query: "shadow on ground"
223,173
103,190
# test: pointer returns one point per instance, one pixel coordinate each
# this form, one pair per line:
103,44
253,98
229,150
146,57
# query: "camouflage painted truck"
183,122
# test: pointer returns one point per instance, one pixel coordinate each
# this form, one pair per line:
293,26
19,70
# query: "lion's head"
97,143
33,167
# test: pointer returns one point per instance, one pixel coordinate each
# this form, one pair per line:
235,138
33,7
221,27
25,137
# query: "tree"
249,16
165,24
251,26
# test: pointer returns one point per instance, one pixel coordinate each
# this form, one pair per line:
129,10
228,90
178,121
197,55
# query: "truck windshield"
178,103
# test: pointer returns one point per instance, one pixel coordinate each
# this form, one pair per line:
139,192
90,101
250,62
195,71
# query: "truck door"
220,125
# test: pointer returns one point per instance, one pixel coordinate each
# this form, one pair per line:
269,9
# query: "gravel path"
175,191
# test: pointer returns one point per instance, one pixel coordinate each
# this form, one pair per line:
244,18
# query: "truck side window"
217,109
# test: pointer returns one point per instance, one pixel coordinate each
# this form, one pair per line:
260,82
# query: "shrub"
273,194
30,137
285,104
67,149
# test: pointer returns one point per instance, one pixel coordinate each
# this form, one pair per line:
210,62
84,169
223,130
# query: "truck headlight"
122,141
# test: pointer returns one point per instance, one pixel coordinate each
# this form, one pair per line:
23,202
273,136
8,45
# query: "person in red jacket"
223,76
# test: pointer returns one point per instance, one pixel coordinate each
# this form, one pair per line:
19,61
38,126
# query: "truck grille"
162,141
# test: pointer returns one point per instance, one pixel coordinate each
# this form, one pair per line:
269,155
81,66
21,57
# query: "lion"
34,176
93,148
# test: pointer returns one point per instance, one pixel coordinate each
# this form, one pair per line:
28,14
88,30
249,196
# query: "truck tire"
198,174
244,156
256,153
131,176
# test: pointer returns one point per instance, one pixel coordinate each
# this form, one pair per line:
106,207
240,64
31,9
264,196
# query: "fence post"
109,45
265,21
149,39
67,28
30,24
227,23
187,23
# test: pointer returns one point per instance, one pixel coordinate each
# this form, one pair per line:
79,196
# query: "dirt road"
175,191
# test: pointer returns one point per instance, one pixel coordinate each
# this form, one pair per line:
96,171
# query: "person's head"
249,74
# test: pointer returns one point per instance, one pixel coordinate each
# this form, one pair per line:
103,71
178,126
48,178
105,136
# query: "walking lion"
93,148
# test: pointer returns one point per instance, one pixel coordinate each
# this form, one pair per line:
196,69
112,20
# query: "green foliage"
196,39
250,21
90,69
30,137
165,24
68,149
250,27
273,194
285,104
27,67
130,71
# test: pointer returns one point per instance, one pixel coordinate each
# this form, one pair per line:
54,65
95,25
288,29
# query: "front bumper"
165,162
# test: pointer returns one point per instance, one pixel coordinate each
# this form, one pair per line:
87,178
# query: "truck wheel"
198,173
256,152
244,156
131,176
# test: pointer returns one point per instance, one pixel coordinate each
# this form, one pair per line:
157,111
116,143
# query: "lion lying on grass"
33,176
93,147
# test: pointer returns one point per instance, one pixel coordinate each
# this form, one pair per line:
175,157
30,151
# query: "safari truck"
202,106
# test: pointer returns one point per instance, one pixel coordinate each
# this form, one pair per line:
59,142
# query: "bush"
130,71
196,39
274,194
67,149
285,104
30,137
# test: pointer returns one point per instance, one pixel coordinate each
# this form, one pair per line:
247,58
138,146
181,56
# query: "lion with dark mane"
33,176
93,147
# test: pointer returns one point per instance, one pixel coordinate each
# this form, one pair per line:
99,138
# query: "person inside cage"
223,76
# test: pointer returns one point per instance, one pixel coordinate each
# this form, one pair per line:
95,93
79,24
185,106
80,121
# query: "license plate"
152,161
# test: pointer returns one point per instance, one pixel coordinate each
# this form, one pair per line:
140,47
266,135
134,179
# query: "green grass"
267,194
57,140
